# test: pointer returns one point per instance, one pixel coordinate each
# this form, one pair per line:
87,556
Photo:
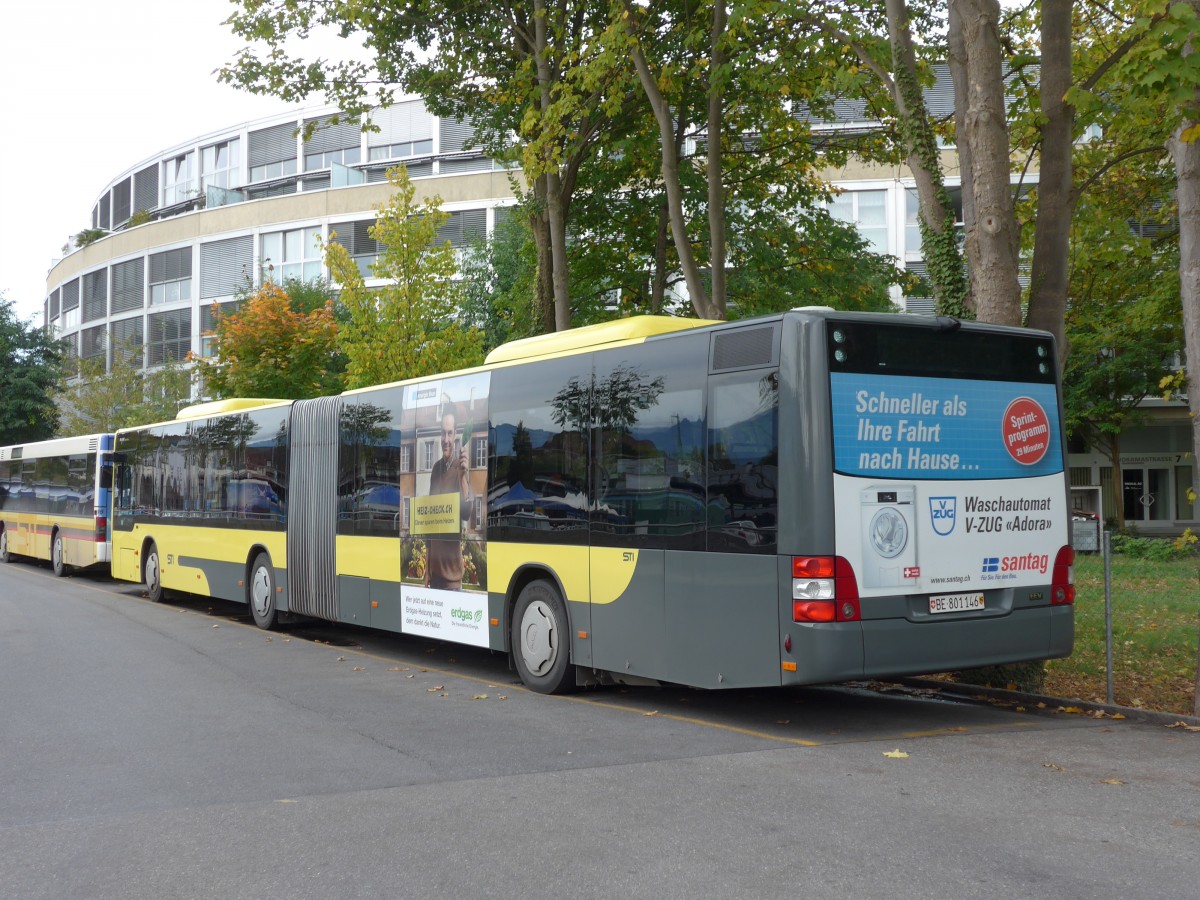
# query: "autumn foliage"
269,347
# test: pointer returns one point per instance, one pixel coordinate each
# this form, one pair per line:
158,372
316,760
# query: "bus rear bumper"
879,648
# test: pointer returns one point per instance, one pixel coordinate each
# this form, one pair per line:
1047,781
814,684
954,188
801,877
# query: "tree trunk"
544,283
1056,198
992,243
1114,456
939,244
670,175
658,283
1186,155
554,198
716,192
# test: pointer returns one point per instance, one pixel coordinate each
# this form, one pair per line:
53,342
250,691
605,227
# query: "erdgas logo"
467,616
941,513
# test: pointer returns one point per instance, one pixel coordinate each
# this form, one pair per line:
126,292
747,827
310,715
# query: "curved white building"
192,225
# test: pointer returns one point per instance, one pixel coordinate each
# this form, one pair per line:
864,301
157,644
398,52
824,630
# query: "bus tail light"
101,528
824,589
1062,581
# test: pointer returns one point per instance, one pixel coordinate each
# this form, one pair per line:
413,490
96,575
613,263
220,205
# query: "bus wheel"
4,555
260,592
154,588
56,555
540,639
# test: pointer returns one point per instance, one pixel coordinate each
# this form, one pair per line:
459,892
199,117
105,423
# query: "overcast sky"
89,90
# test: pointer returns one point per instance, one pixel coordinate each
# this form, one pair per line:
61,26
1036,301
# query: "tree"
501,66
280,343
1123,322
498,275
31,364
409,326
95,400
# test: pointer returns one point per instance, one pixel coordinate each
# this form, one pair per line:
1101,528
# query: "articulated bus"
54,501
807,497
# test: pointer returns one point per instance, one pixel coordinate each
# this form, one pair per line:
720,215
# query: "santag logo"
991,564
942,512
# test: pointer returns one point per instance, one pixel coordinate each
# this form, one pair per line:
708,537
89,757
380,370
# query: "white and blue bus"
54,501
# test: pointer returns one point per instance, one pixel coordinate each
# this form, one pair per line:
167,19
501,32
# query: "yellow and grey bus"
54,501
807,497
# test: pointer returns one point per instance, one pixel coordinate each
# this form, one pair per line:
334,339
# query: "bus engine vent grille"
743,348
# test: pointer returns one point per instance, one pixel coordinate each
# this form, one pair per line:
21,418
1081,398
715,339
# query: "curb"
971,691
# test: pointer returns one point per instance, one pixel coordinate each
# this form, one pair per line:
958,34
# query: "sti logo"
941,513
991,564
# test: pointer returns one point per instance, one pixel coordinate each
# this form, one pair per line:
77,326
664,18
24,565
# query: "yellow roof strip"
634,328
216,407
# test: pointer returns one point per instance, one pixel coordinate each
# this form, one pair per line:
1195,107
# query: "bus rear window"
940,349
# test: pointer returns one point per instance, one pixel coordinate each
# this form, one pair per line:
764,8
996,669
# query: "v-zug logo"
991,564
941,513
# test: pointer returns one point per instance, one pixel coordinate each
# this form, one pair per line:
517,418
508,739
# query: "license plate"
952,603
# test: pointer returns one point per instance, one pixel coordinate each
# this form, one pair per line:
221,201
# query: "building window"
405,129
178,179
170,336
347,156
481,453
403,150
406,461
219,165
867,211
208,325
912,212
171,276
292,254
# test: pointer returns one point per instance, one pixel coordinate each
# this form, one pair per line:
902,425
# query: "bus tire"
541,639
152,574
260,593
5,556
56,554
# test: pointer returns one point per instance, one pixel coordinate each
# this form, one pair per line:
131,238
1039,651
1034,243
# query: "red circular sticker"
1026,431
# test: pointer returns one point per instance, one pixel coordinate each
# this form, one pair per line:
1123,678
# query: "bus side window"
743,461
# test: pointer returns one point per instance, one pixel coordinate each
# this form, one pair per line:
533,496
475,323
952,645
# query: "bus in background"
54,501
806,497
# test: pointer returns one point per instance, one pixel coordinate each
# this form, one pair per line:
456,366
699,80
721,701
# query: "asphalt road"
161,751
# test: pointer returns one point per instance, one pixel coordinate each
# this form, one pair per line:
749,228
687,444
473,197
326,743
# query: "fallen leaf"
895,754
1070,709
651,713
216,626
360,669
410,676
1111,781
479,696
398,669
783,721
1185,726
502,697
1053,766
270,639
341,659
434,690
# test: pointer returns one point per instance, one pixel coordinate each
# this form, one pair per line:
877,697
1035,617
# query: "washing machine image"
889,536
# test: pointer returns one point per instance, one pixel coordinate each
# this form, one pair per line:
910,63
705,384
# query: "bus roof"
635,328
